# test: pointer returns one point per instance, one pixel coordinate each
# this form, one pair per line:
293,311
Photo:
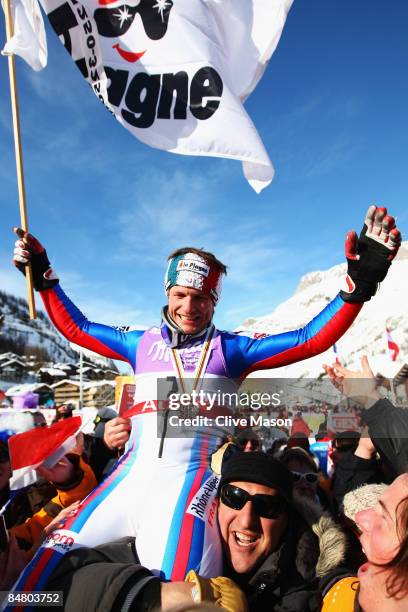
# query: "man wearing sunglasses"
270,549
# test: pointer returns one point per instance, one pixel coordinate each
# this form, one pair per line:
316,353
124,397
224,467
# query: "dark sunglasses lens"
155,17
311,478
296,477
233,497
114,22
117,21
268,506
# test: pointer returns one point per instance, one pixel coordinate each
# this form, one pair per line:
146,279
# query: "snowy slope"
366,335
16,327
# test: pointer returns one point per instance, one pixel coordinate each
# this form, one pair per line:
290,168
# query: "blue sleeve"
244,354
110,342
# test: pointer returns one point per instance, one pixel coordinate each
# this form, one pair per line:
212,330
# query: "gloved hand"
221,591
27,249
370,255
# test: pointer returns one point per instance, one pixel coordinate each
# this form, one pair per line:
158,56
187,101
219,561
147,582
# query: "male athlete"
162,491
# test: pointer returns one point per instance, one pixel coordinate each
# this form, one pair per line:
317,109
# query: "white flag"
175,72
28,40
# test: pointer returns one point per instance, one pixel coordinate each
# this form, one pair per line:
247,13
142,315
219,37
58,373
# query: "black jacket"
388,429
353,472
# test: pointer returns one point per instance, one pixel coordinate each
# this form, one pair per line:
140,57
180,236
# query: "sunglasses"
310,477
267,506
115,22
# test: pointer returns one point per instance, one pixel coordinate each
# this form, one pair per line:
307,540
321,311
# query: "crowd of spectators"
296,536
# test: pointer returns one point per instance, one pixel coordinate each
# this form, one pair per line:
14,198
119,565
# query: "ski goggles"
310,477
115,22
266,506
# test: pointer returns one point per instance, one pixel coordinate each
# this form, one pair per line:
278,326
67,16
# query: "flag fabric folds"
40,446
29,40
176,72
392,346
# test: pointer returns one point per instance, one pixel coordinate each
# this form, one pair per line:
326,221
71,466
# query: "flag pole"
18,152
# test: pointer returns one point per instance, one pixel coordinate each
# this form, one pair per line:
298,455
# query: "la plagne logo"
119,48
191,265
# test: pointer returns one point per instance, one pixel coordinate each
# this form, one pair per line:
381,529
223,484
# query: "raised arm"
387,424
368,258
67,318
245,354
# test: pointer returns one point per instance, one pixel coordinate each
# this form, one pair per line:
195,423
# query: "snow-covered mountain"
367,334
22,336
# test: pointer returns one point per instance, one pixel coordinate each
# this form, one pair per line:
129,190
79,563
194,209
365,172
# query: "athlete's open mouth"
129,56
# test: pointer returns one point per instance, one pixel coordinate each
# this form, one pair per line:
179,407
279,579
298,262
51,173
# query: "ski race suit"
162,490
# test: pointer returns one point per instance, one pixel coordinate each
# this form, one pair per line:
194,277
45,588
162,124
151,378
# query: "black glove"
27,250
370,256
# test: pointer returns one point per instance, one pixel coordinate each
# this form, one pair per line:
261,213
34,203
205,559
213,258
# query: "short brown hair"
204,254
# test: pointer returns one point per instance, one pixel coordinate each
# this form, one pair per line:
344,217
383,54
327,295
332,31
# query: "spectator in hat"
276,548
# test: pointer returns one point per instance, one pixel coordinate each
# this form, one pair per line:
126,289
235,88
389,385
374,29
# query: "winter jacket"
288,580
388,429
84,482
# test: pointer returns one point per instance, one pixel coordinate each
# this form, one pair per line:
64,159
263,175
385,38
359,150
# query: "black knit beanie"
260,468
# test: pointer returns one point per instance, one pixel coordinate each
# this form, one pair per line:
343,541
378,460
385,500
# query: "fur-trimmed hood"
313,546
331,541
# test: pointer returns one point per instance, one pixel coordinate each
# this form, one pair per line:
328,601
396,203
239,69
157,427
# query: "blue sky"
332,112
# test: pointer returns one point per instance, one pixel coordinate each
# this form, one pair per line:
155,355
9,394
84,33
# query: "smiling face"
248,538
380,541
190,309
116,19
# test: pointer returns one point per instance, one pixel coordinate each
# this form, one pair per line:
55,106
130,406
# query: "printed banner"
175,72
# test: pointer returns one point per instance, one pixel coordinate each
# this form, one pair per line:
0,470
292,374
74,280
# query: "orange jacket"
33,527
